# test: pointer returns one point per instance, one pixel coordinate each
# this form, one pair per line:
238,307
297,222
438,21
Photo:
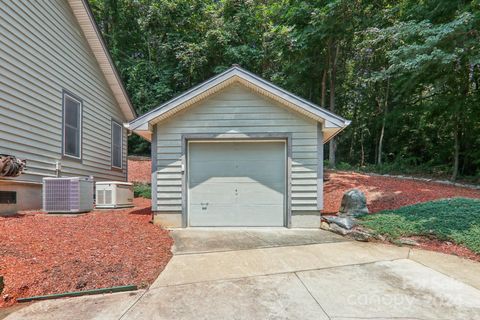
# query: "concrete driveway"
203,240
260,274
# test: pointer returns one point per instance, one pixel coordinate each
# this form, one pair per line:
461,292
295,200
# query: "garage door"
236,183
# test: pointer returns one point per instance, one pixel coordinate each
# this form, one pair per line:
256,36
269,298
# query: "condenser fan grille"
63,195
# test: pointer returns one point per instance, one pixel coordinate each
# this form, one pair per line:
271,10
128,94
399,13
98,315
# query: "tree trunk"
362,157
456,154
326,70
354,133
459,122
380,141
332,148
384,121
324,86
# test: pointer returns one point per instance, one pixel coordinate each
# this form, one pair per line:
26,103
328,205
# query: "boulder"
324,225
343,221
360,235
354,203
337,229
408,242
380,237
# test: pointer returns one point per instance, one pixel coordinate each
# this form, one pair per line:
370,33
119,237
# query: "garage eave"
330,133
254,82
145,133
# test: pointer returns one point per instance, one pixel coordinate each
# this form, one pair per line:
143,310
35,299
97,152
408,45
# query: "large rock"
345,222
337,229
408,242
360,235
324,225
354,203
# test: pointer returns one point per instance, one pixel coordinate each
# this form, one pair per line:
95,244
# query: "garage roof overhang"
332,124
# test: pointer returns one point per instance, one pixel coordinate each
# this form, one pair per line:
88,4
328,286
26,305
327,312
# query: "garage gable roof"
85,19
143,124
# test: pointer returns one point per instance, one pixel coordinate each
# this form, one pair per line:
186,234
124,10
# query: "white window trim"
80,133
121,145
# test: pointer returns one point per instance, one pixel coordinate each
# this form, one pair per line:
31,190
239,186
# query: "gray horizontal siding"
43,51
236,109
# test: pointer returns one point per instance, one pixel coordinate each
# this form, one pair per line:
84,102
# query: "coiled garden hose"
10,166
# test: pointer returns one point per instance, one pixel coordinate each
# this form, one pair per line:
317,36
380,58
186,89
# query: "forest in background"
406,72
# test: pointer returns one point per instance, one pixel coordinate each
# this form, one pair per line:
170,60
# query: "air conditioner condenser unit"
114,194
68,195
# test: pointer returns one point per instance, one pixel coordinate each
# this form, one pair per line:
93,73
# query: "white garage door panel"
203,170
224,216
237,183
215,192
236,192
261,170
256,193
235,168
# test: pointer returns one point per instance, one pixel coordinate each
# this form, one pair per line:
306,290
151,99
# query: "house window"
72,126
117,142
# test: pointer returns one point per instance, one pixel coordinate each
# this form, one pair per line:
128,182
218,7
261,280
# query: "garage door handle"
204,205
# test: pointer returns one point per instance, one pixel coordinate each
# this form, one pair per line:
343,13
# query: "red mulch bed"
446,247
385,193
44,254
139,171
382,192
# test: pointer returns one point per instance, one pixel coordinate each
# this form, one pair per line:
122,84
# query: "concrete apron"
203,240
345,280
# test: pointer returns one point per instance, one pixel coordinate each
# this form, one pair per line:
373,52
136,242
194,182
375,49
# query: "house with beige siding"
62,103
237,151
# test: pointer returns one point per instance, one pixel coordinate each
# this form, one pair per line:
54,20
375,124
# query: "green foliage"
344,166
456,220
409,166
138,146
142,190
407,73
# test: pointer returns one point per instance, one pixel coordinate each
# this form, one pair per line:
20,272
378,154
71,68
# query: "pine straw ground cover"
44,254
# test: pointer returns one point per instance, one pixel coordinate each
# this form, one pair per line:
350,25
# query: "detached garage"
237,151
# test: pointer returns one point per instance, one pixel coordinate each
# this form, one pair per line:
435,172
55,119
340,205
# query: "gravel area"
45,254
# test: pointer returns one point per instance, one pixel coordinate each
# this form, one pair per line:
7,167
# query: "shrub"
142,190
345,166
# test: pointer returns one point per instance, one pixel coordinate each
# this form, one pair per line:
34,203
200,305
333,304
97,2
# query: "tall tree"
407,72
